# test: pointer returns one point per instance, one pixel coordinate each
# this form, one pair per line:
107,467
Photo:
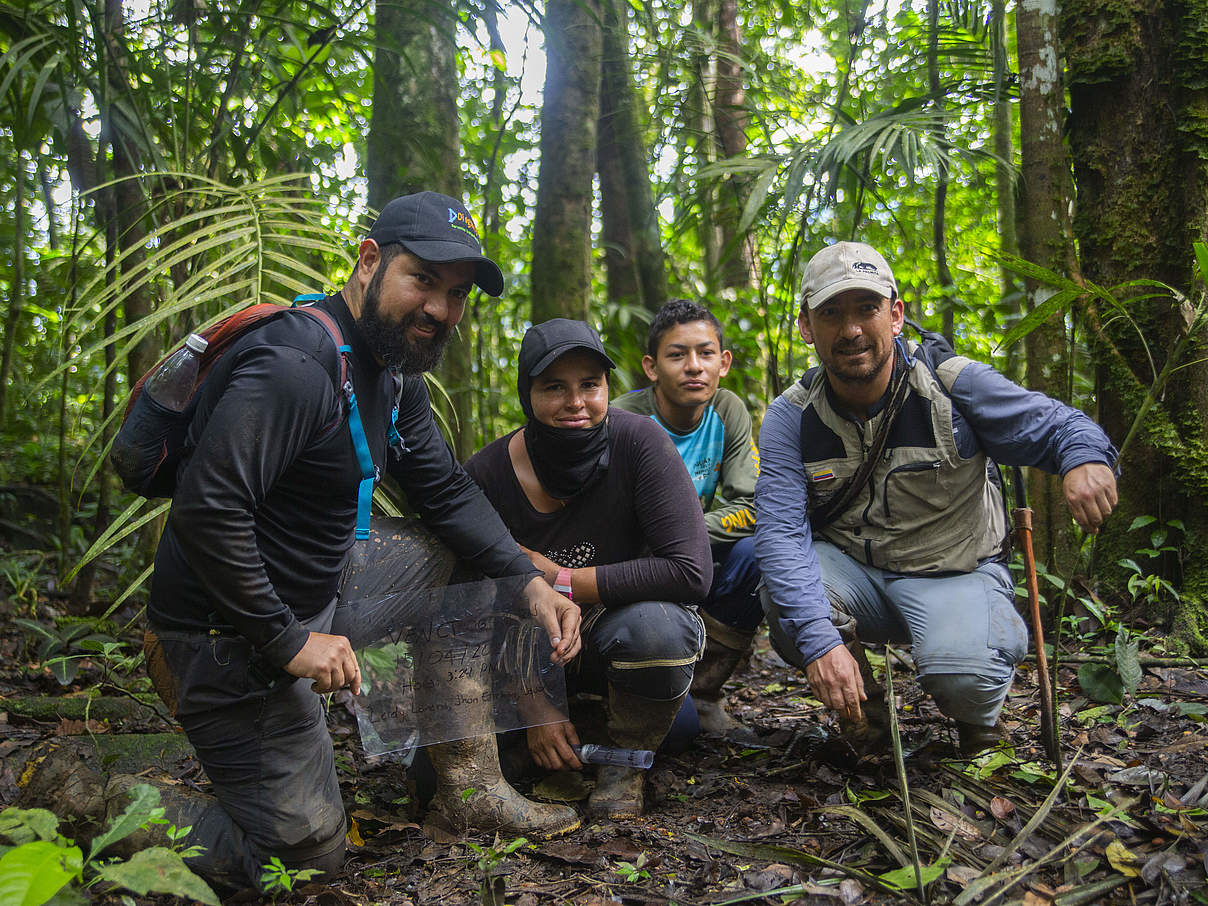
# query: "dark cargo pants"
261,735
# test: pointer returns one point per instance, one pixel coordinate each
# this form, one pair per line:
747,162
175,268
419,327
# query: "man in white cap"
878,514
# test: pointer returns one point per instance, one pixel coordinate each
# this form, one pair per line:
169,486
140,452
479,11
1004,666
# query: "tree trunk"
414,146
562,224
1045,239
1139,135
700,125
17,300
730,114
939,212
1004,181
631,226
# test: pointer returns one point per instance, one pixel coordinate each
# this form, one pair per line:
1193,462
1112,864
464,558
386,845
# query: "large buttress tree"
1139,134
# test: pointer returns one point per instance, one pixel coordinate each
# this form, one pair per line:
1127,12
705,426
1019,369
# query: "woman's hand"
547,566
550,745
560,617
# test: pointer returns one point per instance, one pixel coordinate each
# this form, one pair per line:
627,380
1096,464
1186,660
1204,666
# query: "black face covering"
566,460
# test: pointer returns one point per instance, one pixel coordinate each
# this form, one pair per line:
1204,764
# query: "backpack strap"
360,443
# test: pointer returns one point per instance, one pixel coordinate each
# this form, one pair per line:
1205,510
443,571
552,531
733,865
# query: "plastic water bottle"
625,758
174,380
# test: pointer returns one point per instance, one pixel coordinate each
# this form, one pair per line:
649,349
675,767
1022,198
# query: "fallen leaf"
1035,899
1122,860
354,834
1001,808
851,890
621,848
570,853
947,822
962,874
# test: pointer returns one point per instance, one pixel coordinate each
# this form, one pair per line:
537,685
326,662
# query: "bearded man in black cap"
248,576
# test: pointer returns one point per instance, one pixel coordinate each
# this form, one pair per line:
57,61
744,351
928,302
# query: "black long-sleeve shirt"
265,504
640,525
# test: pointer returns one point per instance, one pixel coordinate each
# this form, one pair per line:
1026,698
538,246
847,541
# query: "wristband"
562,583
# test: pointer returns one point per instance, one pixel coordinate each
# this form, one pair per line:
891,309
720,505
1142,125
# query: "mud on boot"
494,806
618,793
973,739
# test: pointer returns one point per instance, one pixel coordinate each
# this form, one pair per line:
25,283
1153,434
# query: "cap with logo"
843,266
437,228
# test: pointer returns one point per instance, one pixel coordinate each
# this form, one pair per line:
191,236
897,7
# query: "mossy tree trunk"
1139,134
1045,239
571,106
414,146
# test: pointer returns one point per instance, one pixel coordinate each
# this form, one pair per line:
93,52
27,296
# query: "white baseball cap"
843,266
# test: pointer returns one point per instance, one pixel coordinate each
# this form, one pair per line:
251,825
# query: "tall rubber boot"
870,735
473,763
633,723
725,648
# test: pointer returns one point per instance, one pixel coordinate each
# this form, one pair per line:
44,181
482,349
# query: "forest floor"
781,812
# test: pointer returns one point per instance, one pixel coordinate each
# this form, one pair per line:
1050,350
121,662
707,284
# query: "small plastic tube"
641,759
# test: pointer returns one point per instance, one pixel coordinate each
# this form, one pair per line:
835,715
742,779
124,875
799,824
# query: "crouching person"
602,504
245,629
686,358
877,518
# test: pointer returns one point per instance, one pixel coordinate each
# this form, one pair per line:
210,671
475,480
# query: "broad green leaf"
1141,522
905,879
137,813
159,870
1101,683
25,825
34,872
1128,664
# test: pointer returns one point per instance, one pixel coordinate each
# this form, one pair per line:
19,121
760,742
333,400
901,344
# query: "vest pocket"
905,471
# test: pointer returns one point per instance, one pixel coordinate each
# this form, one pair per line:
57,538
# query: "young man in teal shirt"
711,429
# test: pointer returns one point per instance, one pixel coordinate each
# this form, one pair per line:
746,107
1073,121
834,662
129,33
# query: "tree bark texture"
700,125
939,237
1004,178
414,145
1139,134
635,244
571,106
1045,239
731,116
16,301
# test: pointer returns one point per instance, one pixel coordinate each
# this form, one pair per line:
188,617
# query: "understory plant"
42,866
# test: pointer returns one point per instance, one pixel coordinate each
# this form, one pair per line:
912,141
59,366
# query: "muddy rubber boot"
973,739
870,735
725,648
633,723
494,806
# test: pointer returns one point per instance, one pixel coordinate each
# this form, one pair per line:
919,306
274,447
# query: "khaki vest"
925,509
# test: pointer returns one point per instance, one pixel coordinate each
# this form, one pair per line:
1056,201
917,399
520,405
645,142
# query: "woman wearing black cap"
600,500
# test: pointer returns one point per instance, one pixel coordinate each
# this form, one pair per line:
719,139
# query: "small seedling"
276,879
633,871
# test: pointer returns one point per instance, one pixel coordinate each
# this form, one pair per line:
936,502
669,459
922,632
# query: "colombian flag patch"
823,475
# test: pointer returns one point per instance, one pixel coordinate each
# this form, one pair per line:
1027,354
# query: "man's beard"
389,341
857,374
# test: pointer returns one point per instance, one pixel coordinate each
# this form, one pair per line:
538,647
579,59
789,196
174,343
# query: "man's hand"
550,745
1090,491
329,661
558,615
836,681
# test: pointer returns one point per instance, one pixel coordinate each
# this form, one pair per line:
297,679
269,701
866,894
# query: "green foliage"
634,871
276,879
42,864
62,647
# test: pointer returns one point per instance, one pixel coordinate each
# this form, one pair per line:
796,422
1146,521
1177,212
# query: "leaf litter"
784,812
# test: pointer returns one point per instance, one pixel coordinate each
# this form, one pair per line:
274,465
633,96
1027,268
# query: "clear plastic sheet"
449,663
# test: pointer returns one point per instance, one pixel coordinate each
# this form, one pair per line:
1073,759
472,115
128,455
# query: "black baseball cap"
437,228
545,342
